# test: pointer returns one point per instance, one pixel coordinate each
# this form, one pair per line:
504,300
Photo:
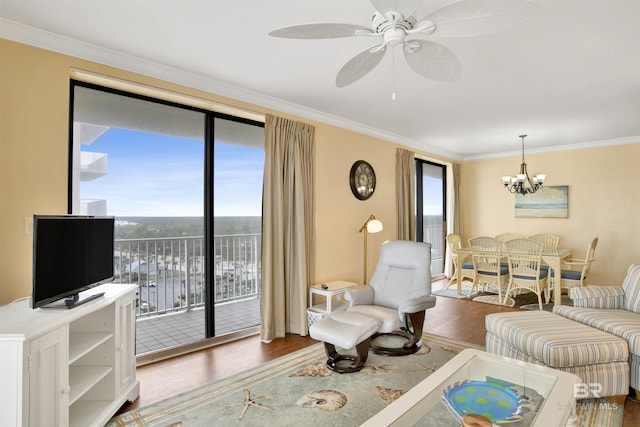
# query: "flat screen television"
71,254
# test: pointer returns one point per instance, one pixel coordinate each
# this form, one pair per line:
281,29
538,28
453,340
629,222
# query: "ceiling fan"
395,23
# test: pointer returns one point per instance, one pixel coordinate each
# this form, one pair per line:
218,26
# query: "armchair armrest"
575,262
359,295
606,297
415,305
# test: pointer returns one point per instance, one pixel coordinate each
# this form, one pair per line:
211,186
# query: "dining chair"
576,271
461,267
504,237
549,241
525,259
487,252
509,236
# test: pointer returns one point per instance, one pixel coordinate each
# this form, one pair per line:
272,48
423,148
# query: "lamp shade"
374,226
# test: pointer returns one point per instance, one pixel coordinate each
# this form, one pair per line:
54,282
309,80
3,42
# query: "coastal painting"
547,202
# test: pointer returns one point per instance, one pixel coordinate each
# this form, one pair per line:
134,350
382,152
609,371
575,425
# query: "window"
185,187
431,211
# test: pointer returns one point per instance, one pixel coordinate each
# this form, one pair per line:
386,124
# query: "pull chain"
393,74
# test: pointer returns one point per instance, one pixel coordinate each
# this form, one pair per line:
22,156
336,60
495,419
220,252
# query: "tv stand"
68,367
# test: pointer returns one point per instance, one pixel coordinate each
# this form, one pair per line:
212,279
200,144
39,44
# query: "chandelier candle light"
371,225
518,184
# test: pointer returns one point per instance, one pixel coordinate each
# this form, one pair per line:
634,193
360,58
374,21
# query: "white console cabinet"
62,367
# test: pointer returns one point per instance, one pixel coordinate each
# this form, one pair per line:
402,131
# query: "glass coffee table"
507,391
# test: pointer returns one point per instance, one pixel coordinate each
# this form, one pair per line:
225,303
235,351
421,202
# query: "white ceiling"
567,77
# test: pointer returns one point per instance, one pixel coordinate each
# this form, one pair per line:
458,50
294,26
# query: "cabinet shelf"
85,412
82,343
83,378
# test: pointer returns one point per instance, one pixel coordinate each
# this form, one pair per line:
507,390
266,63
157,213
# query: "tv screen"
70,254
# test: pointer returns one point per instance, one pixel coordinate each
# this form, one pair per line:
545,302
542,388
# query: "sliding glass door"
237,224
431,211
169,174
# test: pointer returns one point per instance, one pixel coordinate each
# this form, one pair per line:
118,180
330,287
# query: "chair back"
525,259
403,272
589,257
486,253
509,236
549,241
454,242
591,249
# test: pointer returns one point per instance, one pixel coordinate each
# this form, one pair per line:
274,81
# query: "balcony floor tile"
160,332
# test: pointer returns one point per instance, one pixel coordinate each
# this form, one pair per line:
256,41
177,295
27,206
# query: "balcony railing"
170,271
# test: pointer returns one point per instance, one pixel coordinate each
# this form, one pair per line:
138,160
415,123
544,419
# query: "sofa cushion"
622,323
631,286
554,340
608,297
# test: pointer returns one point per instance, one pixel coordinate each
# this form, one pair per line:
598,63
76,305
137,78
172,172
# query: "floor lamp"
371,225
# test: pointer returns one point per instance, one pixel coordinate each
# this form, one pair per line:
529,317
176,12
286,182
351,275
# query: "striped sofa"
598,358
614,310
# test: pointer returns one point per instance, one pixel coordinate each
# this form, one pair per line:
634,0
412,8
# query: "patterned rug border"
162,412
191,399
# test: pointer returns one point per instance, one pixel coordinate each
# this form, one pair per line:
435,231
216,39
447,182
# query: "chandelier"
522,183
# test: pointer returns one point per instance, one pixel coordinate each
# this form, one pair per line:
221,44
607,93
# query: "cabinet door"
48,379
125,341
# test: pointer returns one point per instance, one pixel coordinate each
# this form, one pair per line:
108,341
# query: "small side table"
333,289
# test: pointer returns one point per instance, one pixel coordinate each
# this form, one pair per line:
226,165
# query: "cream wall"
34,153
339,215
34,102
604,201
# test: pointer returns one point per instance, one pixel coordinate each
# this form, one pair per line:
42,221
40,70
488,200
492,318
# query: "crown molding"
566,147
18,32
47,40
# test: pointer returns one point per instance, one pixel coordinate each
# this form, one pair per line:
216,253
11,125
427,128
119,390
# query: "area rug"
298,389
525,301
451,293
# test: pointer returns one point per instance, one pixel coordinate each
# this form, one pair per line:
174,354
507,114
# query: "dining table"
552,257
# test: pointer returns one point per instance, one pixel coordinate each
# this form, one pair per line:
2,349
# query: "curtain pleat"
453,217
287,227
405,193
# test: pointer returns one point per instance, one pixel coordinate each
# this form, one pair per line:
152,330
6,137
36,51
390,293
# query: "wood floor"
456,319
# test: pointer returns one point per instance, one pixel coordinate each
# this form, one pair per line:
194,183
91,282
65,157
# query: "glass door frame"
419,234
208,226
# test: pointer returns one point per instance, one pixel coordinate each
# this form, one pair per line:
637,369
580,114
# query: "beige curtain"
287,227
456,198
405,193
453,216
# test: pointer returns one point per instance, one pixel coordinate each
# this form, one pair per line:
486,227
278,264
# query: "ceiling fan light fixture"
425,27
394,21
381,23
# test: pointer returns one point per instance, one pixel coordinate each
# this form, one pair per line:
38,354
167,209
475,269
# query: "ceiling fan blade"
318,31
434,61
405,7
468,18
360,65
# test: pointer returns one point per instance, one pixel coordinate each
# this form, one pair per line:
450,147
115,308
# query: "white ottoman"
345,330
543,338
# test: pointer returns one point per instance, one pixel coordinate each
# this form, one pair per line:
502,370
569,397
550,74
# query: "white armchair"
398,295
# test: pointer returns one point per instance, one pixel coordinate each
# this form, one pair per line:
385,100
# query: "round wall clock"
362,180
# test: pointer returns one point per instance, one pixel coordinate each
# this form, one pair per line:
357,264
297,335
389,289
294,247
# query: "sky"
159,175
